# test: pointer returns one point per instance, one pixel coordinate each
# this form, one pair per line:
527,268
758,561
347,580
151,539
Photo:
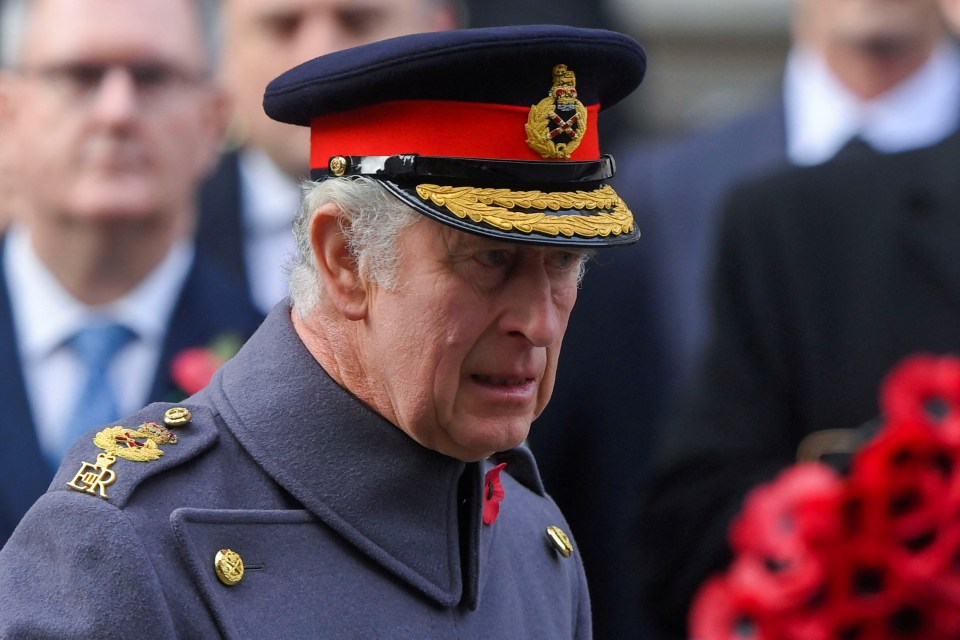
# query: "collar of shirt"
822,115
34,292
270,198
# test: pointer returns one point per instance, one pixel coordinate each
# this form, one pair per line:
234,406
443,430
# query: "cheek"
455,339
549,378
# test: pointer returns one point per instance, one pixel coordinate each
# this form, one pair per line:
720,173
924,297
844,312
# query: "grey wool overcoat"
346,527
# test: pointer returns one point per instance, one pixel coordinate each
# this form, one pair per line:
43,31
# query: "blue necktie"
95,346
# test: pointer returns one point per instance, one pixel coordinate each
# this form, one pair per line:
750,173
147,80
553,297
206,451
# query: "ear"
336,265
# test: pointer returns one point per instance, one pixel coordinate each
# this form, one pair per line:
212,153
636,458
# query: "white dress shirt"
822,115
271,201
46,316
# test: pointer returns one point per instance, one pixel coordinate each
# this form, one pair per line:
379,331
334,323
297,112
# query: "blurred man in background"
113,120
880,73
247,206
825,276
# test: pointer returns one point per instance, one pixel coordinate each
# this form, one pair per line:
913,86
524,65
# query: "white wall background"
708,59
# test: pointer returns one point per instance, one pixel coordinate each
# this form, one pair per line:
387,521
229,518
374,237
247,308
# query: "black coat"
826,277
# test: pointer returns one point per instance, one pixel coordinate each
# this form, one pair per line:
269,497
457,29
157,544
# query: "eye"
564,259
361,22
154,76
78,78
281,26
493,257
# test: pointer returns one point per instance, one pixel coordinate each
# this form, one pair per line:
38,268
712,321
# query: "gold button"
177,417
229,567
559,540
339,166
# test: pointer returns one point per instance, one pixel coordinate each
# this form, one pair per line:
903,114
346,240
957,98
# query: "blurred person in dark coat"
883,73
825,278
359,468
111,121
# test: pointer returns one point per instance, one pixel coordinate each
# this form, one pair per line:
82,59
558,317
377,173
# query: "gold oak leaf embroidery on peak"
495,207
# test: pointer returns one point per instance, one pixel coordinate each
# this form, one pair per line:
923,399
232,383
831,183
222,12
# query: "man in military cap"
357,470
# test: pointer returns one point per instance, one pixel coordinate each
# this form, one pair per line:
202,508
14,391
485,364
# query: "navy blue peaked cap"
493,131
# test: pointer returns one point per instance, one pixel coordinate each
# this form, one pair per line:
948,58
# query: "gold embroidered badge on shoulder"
138,445
557,123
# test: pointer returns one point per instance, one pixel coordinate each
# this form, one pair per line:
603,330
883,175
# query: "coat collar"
391,498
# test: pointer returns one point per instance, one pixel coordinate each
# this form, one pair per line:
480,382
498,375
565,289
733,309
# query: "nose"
535,308
116,98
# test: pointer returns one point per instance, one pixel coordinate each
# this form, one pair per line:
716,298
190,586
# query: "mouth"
502,381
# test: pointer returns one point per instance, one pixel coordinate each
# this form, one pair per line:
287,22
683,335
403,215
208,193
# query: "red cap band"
434,128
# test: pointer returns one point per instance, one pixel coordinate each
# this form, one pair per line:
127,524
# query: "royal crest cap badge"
557,123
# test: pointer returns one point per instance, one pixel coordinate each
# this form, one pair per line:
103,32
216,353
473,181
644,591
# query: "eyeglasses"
79,82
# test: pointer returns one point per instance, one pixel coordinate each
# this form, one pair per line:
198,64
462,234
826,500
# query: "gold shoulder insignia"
145,443
138,445
95,478
557,123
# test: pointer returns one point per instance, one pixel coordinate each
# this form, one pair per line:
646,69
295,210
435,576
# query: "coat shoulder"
110,463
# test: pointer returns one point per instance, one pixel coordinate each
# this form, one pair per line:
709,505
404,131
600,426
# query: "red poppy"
925,388
872,555
493,494
193,368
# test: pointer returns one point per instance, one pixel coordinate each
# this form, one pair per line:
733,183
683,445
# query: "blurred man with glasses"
111,121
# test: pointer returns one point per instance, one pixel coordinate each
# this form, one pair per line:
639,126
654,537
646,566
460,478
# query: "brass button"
177,417
229,567
339,166
559,541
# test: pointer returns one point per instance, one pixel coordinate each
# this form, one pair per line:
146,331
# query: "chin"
502,440
131,207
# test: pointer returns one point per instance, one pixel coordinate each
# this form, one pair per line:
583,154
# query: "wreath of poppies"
873,554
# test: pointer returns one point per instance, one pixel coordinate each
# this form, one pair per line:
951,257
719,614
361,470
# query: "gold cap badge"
557,123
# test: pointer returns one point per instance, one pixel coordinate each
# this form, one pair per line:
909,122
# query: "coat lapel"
210,305
220,224
20,457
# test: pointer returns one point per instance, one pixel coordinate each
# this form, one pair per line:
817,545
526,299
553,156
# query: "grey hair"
373,219
14,15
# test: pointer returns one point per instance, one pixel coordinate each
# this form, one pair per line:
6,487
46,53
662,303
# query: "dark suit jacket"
209,305
219,233
826,278
677,190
